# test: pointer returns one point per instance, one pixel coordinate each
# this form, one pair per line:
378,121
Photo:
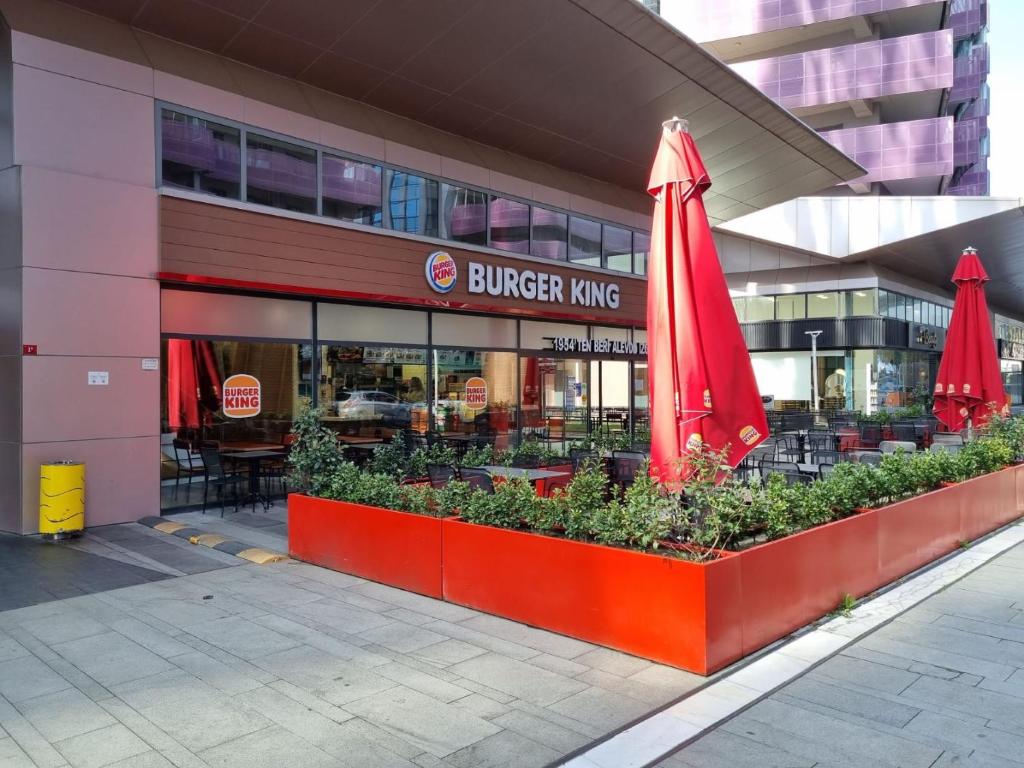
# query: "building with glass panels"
213,215
898,85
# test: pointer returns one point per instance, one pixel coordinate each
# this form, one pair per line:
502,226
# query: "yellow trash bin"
61,499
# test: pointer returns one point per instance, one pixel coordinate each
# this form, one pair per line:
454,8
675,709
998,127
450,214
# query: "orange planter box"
697,616
396,548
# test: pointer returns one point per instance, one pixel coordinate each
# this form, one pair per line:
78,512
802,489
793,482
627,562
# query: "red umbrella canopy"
702,386
969,384
182,385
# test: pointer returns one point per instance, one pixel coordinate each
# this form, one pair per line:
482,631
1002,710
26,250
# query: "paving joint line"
215,541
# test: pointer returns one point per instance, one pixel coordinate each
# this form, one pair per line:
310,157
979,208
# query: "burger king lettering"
242,395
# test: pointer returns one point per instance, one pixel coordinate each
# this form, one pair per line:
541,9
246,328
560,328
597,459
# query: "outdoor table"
538,477
255,459
808,469
240,446
359,440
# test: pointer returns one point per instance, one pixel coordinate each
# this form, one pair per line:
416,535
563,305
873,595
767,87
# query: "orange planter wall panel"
395,548
643,604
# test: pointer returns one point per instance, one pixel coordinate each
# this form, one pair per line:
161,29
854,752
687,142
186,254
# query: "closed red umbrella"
702,386
182,385
969,385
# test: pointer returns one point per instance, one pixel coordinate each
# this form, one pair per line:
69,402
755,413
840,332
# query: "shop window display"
475,393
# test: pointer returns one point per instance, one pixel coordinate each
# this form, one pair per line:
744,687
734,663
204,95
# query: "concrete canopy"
581,85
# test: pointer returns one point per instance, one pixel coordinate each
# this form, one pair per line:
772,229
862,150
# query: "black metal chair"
826,457
441,474
825,469
798,478
526,461
789,448
769,466
870,434
905,432
625,465
868,457
477,479
433,438
579,455
219,478
187,463
818,440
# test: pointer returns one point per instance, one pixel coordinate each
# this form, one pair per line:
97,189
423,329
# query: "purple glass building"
899,85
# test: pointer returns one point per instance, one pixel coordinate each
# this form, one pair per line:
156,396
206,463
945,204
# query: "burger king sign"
441,271
242,396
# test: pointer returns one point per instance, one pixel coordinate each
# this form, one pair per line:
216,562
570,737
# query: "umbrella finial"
676,124
970,249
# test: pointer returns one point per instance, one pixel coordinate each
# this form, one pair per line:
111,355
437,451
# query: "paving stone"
538,639
286,712
268,748
322,640
413,602
146,760
659,676
11,648
241,637
602,708
28,677
965,737
650,695
437,728
483,640
865,673
506,749
335,613
721,748
978,702
448,652
155,737
149,638
558,737
61,627
200,721
481,706
519,679
409,617
402,637
110,658
558,665
821,751
617,663
937,656
352,684
957,641
843,699
984,628
921,668
64,714
844,736
12,756
102,747
422,681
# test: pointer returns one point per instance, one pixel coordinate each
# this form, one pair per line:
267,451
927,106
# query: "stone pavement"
941,686
292,665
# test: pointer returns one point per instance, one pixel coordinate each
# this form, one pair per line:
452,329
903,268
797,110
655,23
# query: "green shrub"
479,456
315,454
642,517
389,459
438,453
513,504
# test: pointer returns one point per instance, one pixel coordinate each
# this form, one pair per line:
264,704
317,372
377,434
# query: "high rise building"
898,85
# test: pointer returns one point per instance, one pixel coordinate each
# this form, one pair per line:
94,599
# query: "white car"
373,405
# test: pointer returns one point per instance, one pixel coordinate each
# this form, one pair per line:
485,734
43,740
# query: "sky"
1006,83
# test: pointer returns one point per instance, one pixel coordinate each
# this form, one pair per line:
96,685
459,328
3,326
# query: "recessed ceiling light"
859,293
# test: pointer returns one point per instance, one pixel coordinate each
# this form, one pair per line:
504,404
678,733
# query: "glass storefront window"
555,399
904,378
610,404
584,241
740,305
550,234
641,249
279,174
463,214
617,249
823,304
411,204
1013,382
351,191
790,307
510,225
885,307
475,392
372,391
195,412
200,155
861,303
641,403
760,308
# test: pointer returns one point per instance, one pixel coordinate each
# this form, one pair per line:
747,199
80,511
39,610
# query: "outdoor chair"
770,466
789,448
904,433
825,469
441,474
947,447
867,457
820,441
797,478
947,438
187,463
219,478
578,456
870,435
433,438
477,479
625,465
826,457
526,462
892,446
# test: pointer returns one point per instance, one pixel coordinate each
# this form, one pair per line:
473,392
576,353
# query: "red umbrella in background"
702,386
969,381
193,383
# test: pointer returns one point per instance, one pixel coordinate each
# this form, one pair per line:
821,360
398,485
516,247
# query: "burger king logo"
967,389
950,389
242,396
694,442
707,399
476,393
441,271
749,435
938,388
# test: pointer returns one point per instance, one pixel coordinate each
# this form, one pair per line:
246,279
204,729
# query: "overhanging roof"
582,85
933,256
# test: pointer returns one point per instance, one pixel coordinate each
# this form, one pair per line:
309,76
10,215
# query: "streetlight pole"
814,368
